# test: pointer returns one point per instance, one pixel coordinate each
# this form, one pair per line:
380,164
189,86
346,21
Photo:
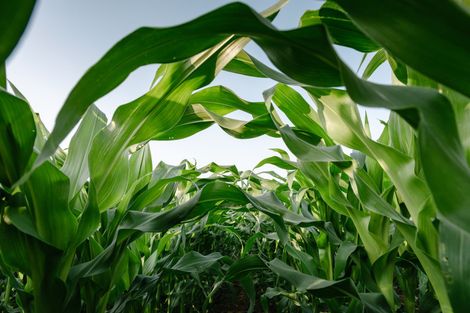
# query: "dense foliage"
386,228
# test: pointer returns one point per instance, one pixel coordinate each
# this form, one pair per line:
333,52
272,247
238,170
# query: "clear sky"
65,38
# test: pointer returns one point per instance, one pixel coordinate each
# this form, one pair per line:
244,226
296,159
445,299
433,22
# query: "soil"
233,299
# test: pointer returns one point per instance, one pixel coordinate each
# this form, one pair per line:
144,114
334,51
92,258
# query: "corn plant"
95,228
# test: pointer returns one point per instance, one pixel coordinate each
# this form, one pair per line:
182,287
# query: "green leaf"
194,262
76,163
383,270
373,202
433,116
407,28
14,16
342,255
455,257
343,123
140,166
341,29
17,135
209,106
3,77
157,222
277,161
299,111
310,153
47,191
315,62
243,65
133,223
144,118
363,187
243,266
378,59
321,287
14,248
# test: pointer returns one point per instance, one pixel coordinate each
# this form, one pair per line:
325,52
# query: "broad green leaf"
133,223
151,197
221,100
315,62
270,204
14,16
14,248
277,161
76,163
243,65
209,106
341,29
17,135
402,135
461,105
47,195
407,28
157,222
298,111
383,270
362,183
321,287
260,125
433,116
140,165
373,202
194,262
244,266
307,152
455,258
342,122
22,220
89,219
144,118
342,255
319,178
307,261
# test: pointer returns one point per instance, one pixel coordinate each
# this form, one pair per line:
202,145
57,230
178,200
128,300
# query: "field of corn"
383,227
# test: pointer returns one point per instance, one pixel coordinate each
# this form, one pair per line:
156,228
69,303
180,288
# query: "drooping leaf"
194,262
14,16
324,288
315,63
341,28
407,28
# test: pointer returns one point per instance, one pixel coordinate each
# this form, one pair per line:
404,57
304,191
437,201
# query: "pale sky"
65,38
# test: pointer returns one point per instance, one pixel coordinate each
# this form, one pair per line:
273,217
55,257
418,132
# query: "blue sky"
65,38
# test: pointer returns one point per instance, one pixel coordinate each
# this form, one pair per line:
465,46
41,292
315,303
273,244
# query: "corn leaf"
14,16
407,28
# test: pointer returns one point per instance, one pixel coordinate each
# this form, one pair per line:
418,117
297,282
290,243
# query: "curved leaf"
14,16
407,28
315,62
47,194
17,135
